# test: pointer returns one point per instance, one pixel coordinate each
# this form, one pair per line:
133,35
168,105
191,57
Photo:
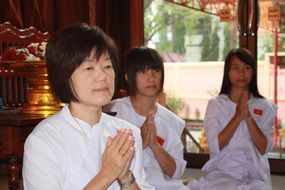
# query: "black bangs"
147,59
245,58
91,39
148,66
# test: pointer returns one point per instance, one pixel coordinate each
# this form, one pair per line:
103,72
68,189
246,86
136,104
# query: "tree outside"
172,28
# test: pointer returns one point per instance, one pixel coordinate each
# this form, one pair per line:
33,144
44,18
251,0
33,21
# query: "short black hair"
68,48
246,57
138,59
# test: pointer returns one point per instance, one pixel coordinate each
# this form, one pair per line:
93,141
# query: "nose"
242,70
100,73
150,74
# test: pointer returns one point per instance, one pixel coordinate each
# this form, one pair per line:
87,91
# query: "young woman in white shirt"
239,129
160,128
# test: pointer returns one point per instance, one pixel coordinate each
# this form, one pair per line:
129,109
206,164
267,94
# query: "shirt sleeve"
212,127
137,165
265,123
40,169
175,147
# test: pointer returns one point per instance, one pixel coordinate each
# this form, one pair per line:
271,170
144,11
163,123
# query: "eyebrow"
95,60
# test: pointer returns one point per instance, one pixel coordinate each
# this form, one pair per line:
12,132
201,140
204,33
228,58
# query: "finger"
144,124
154,130
121,139
148,124
245,102
117,137
128,143
146,139
153,133
109,141
151,116
129,155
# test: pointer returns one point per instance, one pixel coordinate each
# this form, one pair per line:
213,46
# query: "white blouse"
169,128
61,153
238,165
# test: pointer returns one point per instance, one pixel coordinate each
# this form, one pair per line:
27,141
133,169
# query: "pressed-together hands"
116,161
149,138
118,154
242,111
148,132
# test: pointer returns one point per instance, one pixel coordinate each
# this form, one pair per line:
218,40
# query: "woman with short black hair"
80,147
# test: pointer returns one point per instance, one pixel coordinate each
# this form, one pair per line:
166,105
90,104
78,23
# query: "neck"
90,115
143,105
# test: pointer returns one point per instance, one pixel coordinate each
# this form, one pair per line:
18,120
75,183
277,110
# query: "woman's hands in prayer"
118,155
148,132
242,111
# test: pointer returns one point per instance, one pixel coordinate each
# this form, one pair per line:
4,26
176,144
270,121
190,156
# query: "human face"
240,74
93,81
148,82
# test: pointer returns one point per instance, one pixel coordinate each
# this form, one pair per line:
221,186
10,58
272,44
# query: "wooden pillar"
248,18
136,23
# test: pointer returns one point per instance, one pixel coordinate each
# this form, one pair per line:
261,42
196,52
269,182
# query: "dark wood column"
136,23
248,18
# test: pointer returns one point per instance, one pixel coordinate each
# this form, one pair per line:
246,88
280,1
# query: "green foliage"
267,45
179,39
174,104
227,42
206,42
215,44
165,21
166,25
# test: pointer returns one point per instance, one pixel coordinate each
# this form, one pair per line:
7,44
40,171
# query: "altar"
25,93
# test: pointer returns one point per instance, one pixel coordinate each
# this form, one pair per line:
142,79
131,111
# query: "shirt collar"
83,127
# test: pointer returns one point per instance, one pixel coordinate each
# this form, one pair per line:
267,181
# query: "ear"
126,77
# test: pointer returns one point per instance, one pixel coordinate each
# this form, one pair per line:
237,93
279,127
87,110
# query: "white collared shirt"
59,155
169,128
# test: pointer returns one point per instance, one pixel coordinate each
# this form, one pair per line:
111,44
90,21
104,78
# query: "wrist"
126,181
155,147
108,176
237,118
249,118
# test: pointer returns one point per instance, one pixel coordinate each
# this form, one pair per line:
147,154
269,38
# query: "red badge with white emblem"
257,111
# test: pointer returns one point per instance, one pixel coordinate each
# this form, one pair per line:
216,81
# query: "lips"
152,86
241,80
103,89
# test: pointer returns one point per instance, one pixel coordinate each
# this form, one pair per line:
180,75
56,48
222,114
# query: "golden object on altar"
36,92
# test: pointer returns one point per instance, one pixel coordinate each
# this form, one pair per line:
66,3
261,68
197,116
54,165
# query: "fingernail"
127,131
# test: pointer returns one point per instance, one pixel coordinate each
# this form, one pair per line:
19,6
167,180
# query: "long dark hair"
246,57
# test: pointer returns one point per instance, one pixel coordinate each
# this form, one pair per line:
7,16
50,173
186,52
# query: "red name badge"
258,111
160,140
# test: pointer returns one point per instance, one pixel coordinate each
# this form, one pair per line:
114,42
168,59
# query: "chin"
106,101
